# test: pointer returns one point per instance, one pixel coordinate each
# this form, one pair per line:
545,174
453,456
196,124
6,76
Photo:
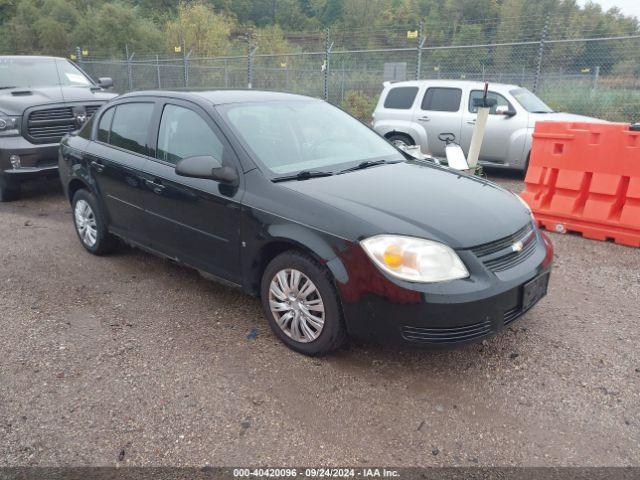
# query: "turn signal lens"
393,256
414,259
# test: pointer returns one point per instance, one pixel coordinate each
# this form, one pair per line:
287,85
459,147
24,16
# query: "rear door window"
401,97
438,99
130,126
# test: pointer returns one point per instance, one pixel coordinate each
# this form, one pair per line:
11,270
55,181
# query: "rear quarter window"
105,125
401,97
85,131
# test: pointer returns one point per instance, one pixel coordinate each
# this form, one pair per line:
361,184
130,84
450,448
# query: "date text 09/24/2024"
317,472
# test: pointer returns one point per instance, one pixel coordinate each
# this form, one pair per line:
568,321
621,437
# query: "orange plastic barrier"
585,177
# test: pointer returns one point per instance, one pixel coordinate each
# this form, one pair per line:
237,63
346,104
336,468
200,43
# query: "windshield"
529,101
26,72
289,137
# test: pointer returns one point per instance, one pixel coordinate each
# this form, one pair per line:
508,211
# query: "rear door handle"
424,119
471,122
98,166
154,185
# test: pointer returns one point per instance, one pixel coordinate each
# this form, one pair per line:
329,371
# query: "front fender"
271,236
321,244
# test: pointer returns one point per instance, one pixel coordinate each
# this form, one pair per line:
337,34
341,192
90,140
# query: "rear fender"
414,130
519,147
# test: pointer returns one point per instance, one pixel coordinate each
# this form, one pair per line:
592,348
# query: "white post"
478,130
478,135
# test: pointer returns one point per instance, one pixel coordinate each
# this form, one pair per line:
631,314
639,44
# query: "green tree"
118,25
54,27
21,29
200,29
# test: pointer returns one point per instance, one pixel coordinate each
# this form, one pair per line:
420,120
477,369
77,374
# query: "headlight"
9,126
414,259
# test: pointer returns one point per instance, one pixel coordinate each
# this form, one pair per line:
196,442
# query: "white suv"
417,112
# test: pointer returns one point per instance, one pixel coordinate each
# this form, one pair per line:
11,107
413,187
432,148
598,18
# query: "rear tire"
302,305
400,139
90,224
8,191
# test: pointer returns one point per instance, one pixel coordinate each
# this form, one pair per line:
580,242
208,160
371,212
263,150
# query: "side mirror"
105,82
505,110
206,166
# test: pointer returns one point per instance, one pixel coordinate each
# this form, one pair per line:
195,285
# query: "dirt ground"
131,360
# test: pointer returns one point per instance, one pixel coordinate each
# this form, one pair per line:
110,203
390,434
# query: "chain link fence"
596,76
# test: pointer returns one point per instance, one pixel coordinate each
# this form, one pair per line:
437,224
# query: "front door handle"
471,122
98,166
424,119
155,185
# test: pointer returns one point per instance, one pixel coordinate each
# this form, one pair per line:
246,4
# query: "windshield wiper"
7,87
303,175
543,111
366,164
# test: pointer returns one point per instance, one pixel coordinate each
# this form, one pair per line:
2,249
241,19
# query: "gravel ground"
131,360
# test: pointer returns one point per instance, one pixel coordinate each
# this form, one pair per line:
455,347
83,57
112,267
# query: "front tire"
302,305
8,191
90,225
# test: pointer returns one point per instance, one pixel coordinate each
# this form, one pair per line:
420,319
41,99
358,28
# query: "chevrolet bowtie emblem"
517,247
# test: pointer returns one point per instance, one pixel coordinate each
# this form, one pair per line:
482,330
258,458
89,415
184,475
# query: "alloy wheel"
296,305
86,223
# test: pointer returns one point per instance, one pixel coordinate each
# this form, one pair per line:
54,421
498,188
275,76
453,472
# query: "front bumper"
35,160
384,310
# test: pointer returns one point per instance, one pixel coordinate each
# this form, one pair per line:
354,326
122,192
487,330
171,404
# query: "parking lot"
129,359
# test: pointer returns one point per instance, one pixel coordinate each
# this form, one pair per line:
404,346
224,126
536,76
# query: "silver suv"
417,112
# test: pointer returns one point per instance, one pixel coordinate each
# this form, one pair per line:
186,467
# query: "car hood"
561,117
16,100
419,200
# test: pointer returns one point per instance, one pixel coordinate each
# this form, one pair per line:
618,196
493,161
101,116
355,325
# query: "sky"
628,7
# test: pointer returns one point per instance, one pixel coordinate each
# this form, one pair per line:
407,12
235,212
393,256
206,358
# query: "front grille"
91,109
499,255
51,124
446,335
49,114
495,246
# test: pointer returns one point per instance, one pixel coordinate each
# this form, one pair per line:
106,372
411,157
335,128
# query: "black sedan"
295,201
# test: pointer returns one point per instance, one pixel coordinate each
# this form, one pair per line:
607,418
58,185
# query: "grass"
614,104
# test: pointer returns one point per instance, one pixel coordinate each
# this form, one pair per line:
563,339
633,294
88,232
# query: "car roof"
39,57
220,97
449,83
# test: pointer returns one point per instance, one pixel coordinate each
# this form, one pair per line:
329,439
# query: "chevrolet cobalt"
295,201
